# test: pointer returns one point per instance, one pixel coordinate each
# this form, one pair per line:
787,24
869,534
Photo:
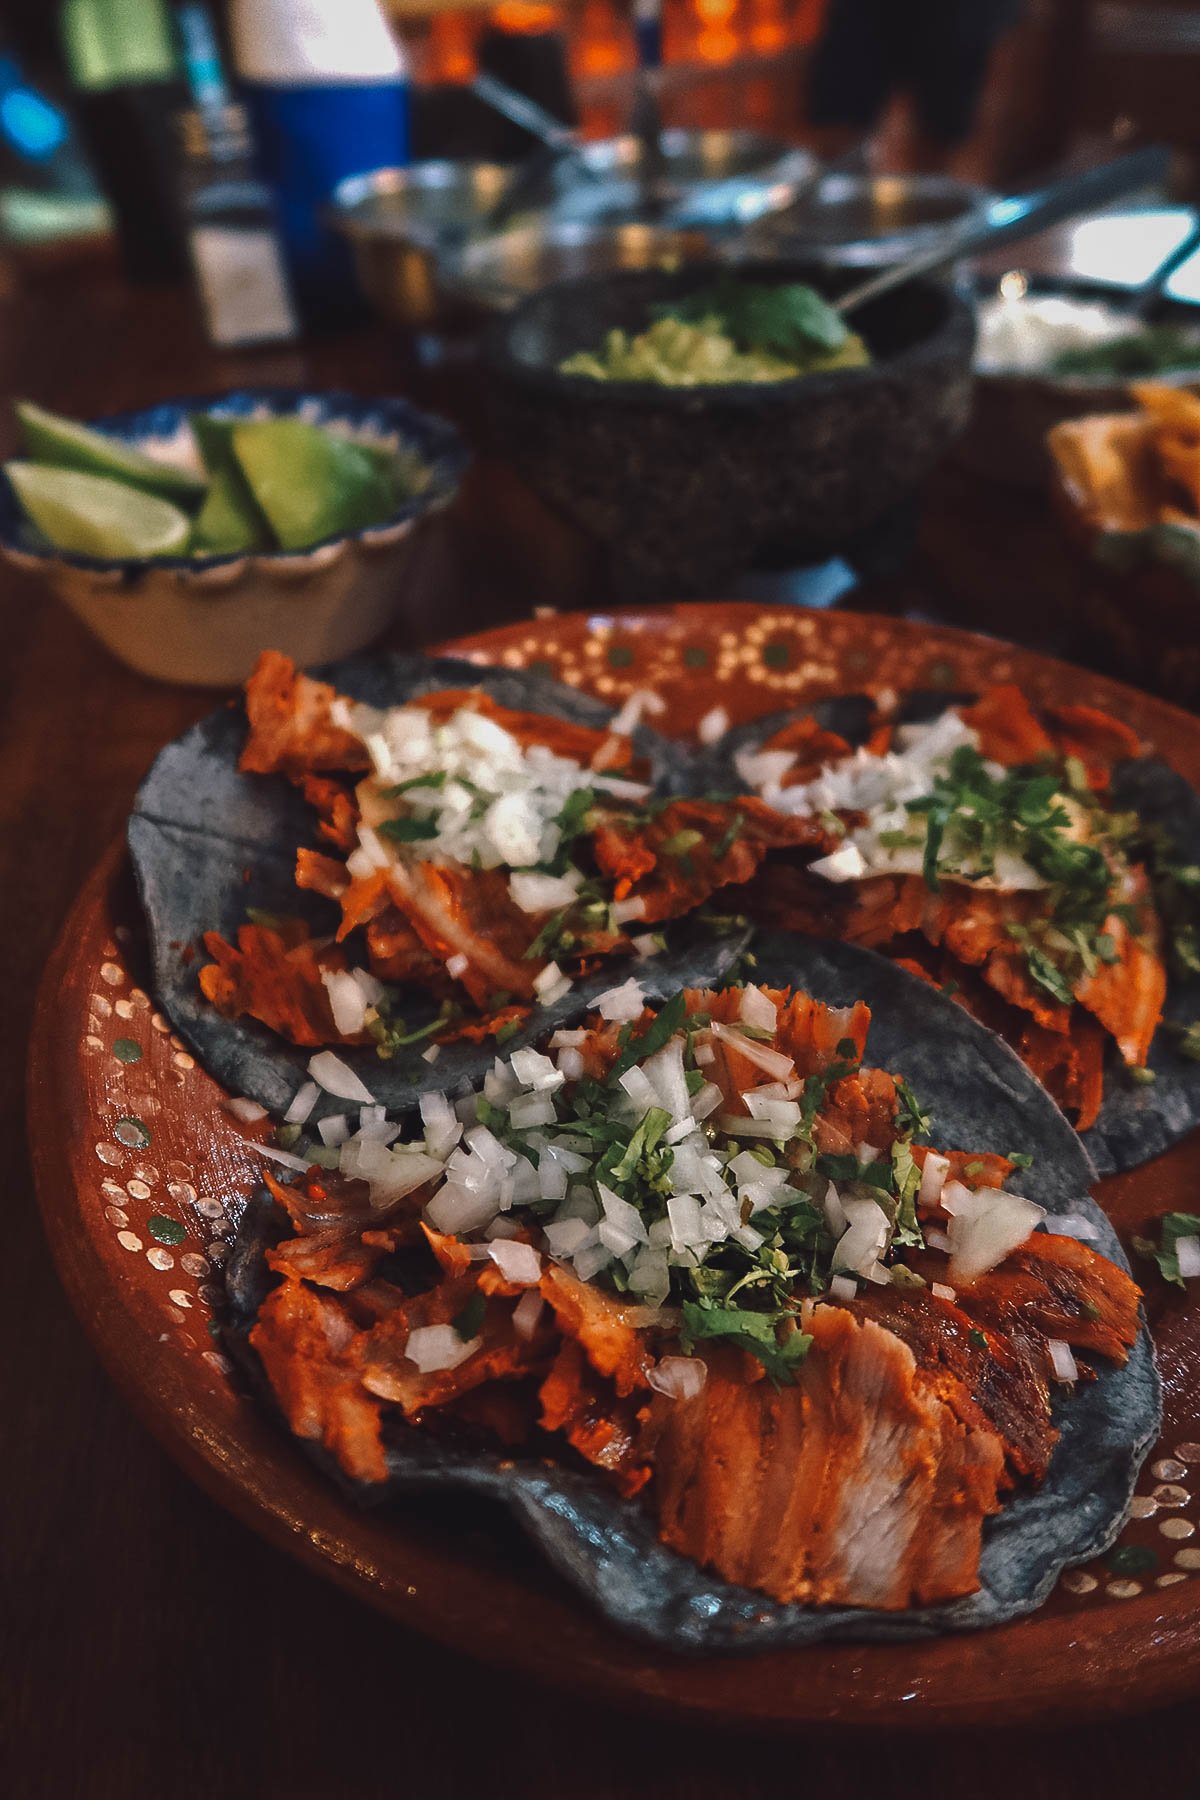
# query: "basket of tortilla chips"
1130,486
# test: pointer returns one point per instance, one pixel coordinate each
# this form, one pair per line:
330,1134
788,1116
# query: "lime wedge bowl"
199,617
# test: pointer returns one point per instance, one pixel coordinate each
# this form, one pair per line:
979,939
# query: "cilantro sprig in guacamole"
735,331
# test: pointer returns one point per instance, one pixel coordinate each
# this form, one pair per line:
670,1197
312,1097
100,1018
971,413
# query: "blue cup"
309,139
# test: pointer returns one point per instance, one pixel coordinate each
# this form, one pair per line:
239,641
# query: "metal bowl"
741,171
418,235
404,224
497,273
858,221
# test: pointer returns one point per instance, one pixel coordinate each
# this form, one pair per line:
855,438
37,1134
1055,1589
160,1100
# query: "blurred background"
1044,80
221,196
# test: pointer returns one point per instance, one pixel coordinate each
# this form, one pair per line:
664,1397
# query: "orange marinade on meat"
864,1478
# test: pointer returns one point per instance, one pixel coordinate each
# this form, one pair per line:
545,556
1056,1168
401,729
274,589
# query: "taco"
1033,864
418,857
687,1289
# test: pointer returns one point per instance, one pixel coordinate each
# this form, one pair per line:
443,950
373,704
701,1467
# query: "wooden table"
153,1646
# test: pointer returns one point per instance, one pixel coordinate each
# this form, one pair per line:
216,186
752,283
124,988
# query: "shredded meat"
857,1485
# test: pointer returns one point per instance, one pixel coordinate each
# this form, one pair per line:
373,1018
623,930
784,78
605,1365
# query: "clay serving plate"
142,1169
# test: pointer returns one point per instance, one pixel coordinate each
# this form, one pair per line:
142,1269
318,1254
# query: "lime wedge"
95,516
309,484
67,445
230,519
224,524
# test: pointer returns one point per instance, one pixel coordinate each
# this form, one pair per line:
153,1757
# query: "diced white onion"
457,966
771,1062
566,1236
436,1347
984,1228
683,1211
533,1070
391,1174
665,1073
519,1263
526,1314
571,1064
847,863
620,1213
456,1210
706,1100
529,1110
843,1287
550,984
284,1157
568,1040
368,985
431,1055
1061,1360
713,725
335,1129
678,1377
937,1240
763,768
636,1084
942,1291
865,1238
591,1259
1187,1255
338,1079
642,700
622,1004
303,1101
626,911
346,1002
248,1111
933,1178
534,892
442,1126
758,1010
614,1239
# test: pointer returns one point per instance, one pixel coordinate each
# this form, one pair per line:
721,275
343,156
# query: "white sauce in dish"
1023,334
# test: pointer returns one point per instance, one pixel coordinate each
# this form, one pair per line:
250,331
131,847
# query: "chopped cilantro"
660,1031
755,1332
435,780
977,1337
408,831
1173,1226
729,837
467,1322
681,842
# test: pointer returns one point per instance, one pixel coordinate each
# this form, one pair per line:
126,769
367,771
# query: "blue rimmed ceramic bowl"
204,620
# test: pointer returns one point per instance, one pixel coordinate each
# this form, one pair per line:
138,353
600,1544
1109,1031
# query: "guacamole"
736,332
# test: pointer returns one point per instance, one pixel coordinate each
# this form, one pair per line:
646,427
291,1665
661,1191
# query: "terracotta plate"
141,1169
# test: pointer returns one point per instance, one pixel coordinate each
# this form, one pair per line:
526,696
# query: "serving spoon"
1020,216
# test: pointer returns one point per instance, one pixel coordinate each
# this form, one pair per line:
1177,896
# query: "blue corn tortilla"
208,842
980,1097
1136,1122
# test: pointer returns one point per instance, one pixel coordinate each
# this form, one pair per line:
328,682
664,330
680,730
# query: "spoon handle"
1021,216
1152,292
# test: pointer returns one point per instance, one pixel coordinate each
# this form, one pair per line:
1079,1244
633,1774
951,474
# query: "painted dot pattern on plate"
145,1085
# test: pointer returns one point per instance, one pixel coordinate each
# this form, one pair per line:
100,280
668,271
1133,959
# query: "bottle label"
242,285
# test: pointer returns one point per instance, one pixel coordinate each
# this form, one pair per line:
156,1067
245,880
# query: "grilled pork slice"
986,1378
859,1485
1059,1288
